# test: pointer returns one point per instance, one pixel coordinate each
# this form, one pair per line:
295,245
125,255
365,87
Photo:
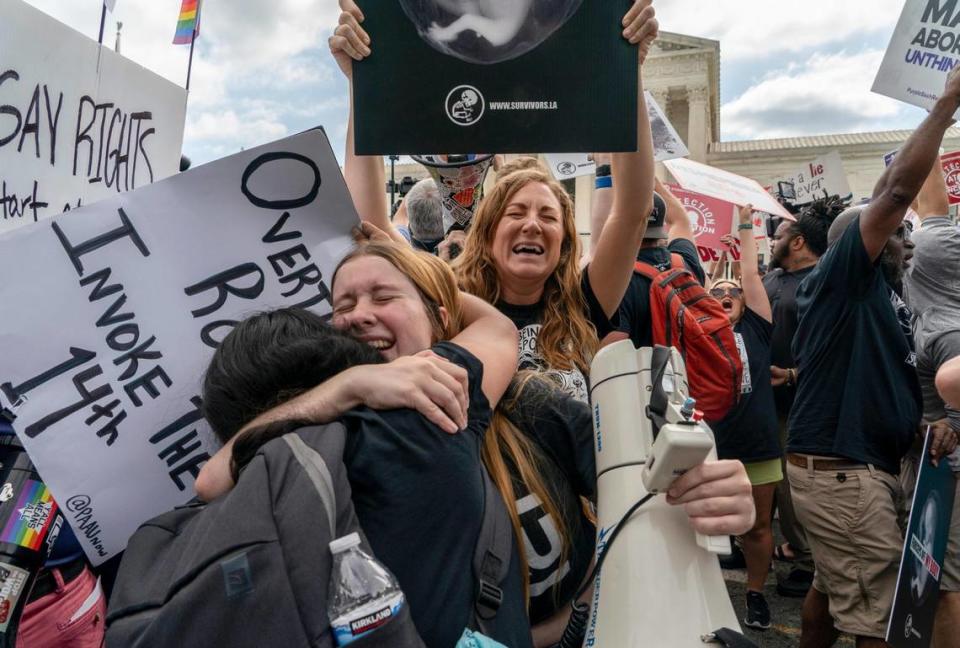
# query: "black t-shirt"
635,307
528,320
858,395
562,430
750,432
419,496
782,292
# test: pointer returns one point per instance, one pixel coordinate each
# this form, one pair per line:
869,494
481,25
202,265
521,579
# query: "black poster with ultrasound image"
495,76
924,550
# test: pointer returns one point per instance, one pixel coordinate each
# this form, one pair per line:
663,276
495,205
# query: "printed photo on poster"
667,144
452,76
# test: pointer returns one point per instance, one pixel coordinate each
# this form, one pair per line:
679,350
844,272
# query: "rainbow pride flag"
32,515
188,23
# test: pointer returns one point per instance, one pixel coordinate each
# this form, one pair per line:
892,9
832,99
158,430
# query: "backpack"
251,569
686,317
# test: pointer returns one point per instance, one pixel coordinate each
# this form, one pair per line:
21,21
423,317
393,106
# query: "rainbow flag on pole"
188,23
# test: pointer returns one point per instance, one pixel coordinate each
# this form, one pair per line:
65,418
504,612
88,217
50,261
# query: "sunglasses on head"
720,293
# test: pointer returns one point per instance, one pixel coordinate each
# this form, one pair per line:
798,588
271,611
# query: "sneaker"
796,584
758,612
734,559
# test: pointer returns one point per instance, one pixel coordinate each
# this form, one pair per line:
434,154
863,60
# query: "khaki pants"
851,520
790,527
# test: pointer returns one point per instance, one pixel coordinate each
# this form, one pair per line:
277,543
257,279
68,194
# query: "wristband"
604,182
745,226
602,170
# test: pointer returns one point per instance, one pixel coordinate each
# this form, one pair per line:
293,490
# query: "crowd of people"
456,357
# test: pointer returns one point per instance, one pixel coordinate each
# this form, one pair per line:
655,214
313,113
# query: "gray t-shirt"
932,290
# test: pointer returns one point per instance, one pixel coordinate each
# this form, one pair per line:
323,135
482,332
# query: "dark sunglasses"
720,293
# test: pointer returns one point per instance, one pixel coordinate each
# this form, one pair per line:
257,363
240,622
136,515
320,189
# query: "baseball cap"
655,229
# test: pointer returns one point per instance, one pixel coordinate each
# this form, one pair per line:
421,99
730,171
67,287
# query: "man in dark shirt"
668,232
797,246
858,401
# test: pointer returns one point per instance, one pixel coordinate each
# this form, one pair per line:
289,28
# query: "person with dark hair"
858,401
797,246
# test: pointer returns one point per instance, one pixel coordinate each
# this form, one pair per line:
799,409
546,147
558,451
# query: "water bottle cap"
346,542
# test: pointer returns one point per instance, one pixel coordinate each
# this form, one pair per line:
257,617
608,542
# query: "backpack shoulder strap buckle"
489,600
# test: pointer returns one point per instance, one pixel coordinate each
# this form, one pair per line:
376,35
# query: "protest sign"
550,76
565,166
888,157
825,174
918,582
78,122
924,47
111,313
951,172
711,218
724,185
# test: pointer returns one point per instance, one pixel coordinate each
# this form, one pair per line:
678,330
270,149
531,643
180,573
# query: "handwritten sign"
105,346
924,47
78,122
718,183
822,177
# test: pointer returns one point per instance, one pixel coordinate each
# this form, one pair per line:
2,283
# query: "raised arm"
902,180
364,174
933,199
616,251
602,203
754,294
676,220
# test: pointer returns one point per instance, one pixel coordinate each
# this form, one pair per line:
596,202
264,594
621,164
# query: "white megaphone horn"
460,181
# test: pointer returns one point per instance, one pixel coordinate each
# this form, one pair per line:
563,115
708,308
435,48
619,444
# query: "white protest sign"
924,47
724,185
565,166
111,314
78,122
667,144
823,174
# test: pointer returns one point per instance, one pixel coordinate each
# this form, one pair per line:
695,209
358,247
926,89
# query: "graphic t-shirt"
858,396
782,289
528,320
750,432
419,496
635,307
561,428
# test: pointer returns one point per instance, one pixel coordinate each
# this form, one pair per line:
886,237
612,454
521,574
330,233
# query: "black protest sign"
504,76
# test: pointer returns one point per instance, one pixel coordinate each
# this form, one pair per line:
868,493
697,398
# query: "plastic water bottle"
363,594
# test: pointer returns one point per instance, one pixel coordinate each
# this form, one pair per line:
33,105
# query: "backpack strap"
676,262
645,269
316,470
491,560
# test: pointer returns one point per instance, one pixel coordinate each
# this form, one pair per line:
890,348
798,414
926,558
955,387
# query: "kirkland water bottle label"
366,619
12,580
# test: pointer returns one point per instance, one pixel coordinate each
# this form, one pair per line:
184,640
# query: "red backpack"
685,316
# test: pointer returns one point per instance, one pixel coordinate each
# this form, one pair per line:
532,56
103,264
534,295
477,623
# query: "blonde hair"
521,163
432,278
567,338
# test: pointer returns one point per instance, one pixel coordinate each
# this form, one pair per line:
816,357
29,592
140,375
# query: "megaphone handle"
714,544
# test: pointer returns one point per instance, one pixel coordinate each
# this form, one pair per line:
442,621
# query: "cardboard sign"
566,166
78,122
825,174
550,76
112,312
925,546
711,218
951,172
924,47
724,185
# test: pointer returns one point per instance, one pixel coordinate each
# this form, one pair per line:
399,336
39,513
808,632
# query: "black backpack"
252,569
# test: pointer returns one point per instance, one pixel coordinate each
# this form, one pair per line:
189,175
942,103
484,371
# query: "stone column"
698,131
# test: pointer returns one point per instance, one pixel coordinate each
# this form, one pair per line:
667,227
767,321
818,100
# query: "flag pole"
193,40
103,21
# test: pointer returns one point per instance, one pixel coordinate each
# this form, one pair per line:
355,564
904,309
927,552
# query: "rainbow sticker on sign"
34,510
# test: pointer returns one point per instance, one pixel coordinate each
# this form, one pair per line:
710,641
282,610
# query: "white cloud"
757,28
824,94
248,128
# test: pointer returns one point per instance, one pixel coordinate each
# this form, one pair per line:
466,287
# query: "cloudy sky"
262,69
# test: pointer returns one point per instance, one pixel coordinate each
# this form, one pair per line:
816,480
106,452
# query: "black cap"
655,228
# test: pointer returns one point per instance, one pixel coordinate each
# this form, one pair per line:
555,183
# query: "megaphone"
460,181
660,583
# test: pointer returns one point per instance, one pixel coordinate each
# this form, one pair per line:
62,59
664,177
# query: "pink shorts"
70,617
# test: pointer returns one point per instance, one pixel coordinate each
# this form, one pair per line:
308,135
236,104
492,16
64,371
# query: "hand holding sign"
640,27
349,42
